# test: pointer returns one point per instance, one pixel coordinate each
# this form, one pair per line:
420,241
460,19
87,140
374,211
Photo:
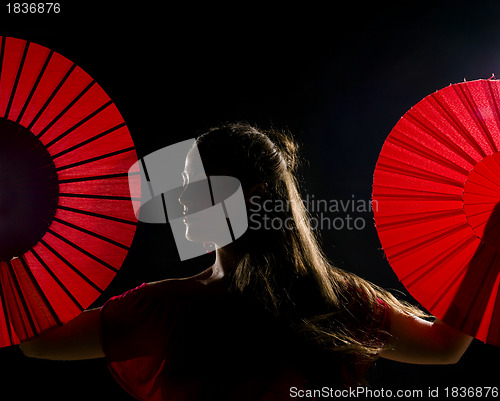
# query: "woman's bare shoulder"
197,284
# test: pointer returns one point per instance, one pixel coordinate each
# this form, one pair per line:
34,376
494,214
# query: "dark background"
339,78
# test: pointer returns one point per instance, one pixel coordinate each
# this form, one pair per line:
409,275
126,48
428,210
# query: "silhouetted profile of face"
206,200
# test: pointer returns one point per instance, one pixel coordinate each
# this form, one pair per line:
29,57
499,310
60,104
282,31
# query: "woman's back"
189,340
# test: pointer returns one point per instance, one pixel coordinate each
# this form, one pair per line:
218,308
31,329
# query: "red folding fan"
66,217
436,201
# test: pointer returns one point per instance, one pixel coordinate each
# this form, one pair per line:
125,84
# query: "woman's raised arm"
78,339
419,341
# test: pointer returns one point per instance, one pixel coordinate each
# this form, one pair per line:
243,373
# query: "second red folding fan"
436,200
66,217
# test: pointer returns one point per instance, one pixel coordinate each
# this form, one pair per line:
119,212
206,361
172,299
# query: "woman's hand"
78,339
422,342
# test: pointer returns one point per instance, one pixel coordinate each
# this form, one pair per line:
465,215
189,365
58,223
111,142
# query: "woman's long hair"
280,262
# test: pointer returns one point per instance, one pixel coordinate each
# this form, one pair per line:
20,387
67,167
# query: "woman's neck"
225,261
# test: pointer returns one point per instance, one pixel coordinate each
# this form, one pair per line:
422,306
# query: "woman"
270,315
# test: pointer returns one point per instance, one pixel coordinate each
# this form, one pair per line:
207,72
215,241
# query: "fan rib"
391,166
485,213
437,135
92,233
494,106
449,115
68,263
416,193
16,81
78,124
438,260
416,218
104,133
492,176
2,52
478,297
51,97
427,239
65,110
79,248
423,195
24,306
475,114
93,214
8,308
486,178
495,173
35,86
33,280
93,178
93,159
109,197
6,314
449,287
56,279
408,144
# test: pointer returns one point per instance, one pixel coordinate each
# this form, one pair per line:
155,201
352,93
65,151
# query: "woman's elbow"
454,343
422,342
452,354
33,349
77,339
444,358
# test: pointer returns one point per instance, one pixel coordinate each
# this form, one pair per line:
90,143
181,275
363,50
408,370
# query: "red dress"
183,340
